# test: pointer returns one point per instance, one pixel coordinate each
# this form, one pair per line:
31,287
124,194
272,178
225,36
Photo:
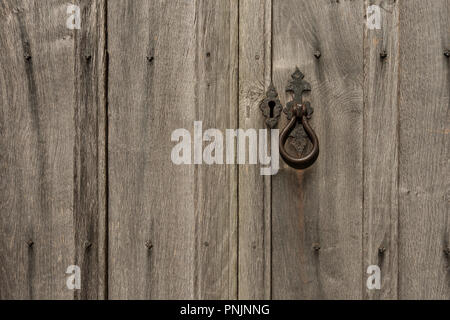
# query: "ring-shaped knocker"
299,113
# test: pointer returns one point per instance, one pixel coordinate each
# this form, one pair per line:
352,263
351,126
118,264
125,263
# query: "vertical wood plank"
254,189
172,227
51,102
380,150
89,150
424,150
317,213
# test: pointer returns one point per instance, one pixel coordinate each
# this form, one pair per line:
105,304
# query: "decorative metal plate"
297,86
271,107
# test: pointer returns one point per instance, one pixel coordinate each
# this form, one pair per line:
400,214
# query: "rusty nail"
383,54
208,54
88,57
87,244
149,245
27,57
316,247
447,53
447,251
30,243
381,250
150,59
317,54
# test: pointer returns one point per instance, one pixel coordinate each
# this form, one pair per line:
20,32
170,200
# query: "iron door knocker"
298,127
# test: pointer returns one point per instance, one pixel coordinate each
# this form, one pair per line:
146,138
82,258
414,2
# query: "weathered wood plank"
380,234
172,227
52,103
254,189
90,146
317,213
424,150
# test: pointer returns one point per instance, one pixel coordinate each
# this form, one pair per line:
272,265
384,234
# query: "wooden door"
86,123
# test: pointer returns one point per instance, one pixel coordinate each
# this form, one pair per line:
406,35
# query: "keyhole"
271,106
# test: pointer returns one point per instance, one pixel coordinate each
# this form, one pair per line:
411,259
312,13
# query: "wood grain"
424,150
86,176
380,233
172,228
254,188
52,102
317,213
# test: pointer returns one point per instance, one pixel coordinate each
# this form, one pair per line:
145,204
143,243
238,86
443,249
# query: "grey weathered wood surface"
79,186
380,150
172,229
254,189
51,136
321,206
424,89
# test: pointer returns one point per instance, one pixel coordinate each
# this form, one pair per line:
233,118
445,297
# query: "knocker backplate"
297,86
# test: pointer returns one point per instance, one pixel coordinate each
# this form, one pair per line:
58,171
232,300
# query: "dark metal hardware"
317,54
271,107
300,112
298,128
